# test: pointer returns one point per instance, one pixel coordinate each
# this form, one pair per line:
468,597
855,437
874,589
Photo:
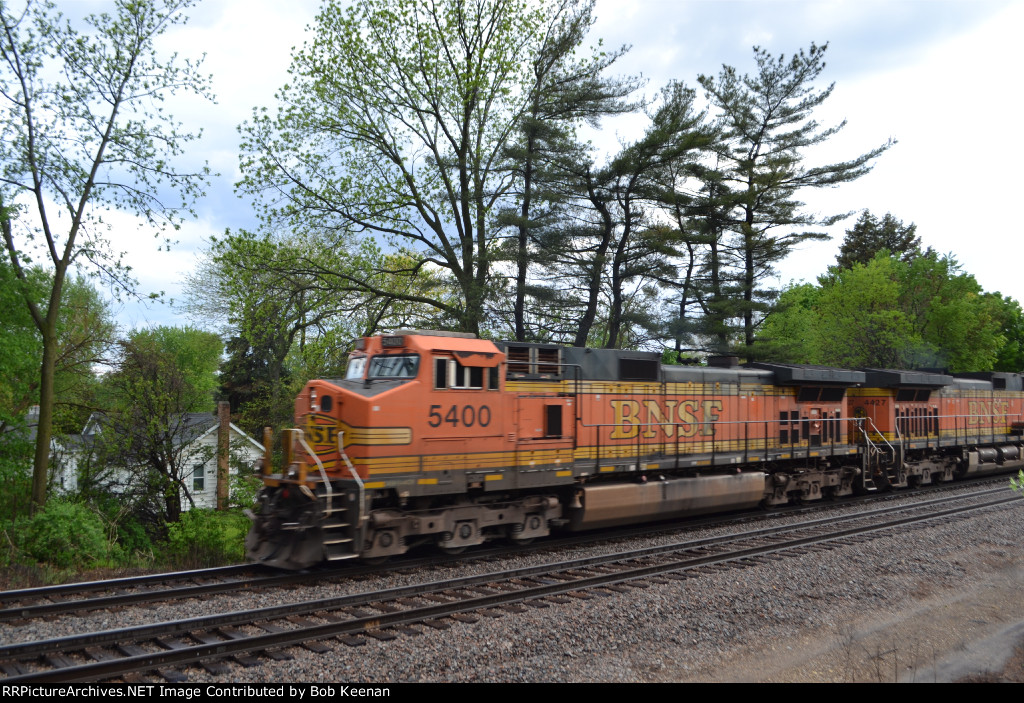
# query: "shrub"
203,538
130,544
64,534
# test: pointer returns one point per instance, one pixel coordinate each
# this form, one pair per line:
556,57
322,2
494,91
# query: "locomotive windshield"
356,366
394,366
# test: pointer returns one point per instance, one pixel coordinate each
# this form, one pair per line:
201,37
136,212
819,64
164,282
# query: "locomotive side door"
465,416
544,412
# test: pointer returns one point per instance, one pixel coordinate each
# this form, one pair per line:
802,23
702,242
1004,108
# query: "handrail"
320,468
363,518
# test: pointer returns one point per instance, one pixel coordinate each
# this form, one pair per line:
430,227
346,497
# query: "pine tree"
869,235
768,122
566,92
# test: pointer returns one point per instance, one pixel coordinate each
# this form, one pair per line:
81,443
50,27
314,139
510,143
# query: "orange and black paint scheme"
446,439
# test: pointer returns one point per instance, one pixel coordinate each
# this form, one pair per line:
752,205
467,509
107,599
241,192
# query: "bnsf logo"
322,433
983,413
690,417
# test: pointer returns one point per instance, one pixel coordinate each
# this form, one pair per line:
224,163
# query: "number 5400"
467,416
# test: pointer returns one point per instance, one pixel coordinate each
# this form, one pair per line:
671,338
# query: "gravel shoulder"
936,603
970,631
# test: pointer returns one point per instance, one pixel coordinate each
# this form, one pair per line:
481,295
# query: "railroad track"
52,601
245,635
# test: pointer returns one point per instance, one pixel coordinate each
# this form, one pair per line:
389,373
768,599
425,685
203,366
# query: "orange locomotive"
443,438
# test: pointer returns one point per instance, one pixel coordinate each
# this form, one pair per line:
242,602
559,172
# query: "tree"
1011,317
290,312
768,123
608,247
566,91
889,313
634,185
19,353
792,331
85,332
82,128
396,123
160,377
869,235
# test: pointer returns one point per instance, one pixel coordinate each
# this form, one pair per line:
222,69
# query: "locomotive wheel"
521,541
452,550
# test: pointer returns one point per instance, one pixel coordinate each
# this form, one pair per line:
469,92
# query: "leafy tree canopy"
161,374
85,333
768,121
890,313
397,123
82,126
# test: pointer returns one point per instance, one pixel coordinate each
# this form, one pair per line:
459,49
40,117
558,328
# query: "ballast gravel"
926,603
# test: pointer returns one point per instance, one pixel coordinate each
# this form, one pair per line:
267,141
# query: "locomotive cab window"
394,366
450,373
356,367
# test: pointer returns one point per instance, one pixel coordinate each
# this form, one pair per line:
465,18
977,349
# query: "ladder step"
343,540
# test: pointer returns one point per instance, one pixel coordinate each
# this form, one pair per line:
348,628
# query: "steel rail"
21,611
362,624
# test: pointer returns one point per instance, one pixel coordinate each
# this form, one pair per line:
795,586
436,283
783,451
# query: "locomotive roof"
714,374
893,378
1000,381
807,374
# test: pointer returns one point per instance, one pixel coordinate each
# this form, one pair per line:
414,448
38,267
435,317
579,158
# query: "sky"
936,77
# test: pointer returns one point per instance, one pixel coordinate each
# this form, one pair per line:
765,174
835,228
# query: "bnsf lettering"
322,434
984,413
691,417
467,416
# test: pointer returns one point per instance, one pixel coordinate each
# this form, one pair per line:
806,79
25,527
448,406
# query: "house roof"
191,426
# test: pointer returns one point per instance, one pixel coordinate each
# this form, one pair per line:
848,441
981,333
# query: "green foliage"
546,156
186,352
15,472
791,332
953,323
1011,318
395,123
869,236
1017,484
64,534
85,330
130,543
889,314
245,485
82,125
21,349
203,538
768,122
862,323
161,376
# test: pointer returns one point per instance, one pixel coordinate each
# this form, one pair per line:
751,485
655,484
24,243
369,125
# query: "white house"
197,431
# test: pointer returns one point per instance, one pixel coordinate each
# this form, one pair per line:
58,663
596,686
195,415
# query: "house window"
199,478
